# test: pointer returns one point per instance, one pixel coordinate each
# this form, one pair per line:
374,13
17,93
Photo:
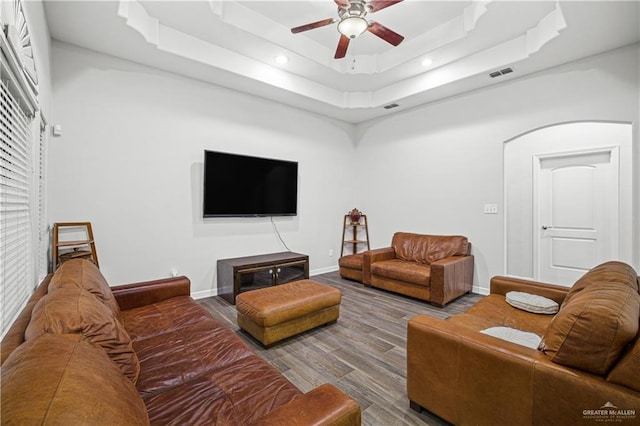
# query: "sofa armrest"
503,285
450,278
373,256
134,295
468,377
324,405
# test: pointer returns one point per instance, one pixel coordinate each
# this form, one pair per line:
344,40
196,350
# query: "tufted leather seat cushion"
71,310
178,356
58,379
162,317
225,396
396,269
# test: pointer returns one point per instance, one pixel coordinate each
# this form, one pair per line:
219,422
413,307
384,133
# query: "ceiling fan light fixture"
352,26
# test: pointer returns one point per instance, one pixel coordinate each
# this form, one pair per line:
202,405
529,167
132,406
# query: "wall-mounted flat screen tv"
240,185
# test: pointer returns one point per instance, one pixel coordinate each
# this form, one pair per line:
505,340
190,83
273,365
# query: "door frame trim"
612,150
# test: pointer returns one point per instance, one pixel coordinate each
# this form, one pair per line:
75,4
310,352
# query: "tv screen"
239,185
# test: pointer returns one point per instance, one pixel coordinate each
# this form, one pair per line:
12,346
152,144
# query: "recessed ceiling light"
281,59
426,62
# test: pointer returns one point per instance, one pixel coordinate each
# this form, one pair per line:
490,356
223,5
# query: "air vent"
391,106
504,71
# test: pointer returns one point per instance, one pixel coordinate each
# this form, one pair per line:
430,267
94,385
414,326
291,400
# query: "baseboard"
204,294
480,290
323,270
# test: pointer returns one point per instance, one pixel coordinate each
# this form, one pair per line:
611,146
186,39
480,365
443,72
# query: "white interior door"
578,213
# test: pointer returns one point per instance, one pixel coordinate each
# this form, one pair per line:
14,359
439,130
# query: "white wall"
431,169
130,161
131,156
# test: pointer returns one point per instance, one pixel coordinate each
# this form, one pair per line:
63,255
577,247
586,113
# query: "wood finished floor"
363,354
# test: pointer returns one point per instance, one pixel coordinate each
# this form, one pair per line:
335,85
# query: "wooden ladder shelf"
67,249
355,235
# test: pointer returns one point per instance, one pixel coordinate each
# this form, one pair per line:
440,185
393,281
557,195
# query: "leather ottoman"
272,314
351,266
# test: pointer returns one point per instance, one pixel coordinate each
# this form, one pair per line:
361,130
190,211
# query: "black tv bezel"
205,215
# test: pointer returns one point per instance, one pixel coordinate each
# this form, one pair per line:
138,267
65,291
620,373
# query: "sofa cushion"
531,303
627,371
591,331
608,272
84,274
428,248
162,317
62,380
240,393
396,269
494,309
173,358
71,310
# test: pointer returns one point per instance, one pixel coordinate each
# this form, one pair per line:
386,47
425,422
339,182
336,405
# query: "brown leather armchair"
434,268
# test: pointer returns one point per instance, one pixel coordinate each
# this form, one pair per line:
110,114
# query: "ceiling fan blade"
385,33
313,25
377,5
343,44
342,3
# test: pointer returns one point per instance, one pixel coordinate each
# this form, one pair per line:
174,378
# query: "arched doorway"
568,199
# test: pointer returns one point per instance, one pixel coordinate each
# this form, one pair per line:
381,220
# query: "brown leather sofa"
586,368
84,353
435,268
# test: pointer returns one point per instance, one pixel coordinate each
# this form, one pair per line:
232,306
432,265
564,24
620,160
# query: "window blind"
16,254
43,230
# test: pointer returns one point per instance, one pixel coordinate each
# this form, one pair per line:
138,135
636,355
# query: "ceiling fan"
352,22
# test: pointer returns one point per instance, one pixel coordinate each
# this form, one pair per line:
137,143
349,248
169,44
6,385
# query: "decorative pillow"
71,310
513,335
58,379
532,303
608,272
591,331
84,274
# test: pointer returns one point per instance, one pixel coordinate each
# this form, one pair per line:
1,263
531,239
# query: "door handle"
545,227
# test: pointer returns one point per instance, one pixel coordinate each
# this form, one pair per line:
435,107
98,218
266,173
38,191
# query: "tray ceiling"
450,46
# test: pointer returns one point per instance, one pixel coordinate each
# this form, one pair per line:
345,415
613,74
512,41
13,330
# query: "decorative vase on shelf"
355,216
